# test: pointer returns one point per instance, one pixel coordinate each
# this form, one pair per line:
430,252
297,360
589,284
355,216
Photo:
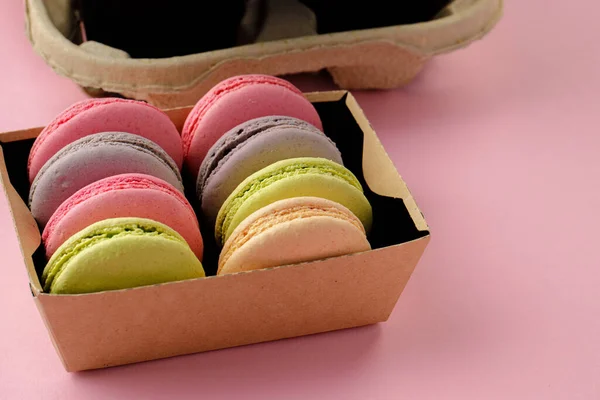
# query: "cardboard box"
378,58
126,326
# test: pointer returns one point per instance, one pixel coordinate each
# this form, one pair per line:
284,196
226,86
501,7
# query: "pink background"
499,144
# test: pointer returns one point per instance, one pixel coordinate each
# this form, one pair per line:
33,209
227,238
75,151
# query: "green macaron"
120,253
295,177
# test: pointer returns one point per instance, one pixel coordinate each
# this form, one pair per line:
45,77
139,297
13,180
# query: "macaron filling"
60,260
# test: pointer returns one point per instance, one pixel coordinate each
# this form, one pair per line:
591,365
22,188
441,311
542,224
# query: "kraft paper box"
125,326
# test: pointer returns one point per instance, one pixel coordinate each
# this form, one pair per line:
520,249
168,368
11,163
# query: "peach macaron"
291,231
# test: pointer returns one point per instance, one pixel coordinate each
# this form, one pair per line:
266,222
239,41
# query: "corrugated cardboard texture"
118,327
371,58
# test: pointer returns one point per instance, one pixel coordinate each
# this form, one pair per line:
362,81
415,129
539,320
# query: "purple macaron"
252,146
92,158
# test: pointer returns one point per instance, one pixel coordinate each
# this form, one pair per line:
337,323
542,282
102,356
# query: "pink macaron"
237,100
92,116
125,195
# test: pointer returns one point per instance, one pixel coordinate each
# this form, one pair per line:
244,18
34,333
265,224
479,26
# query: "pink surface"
125,195
235,101
105,115
499,145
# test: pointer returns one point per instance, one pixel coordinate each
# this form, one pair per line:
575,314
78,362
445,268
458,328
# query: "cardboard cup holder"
378,58
118,327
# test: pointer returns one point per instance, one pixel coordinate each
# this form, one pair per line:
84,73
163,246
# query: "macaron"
92,158
125,195
252,146
92,116
120,253
294,177
292,231
236,100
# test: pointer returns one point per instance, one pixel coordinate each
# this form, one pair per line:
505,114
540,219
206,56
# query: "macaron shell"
92,116
255,98
258,152
300,240
280,213
76,166
317,185
127,195
126,262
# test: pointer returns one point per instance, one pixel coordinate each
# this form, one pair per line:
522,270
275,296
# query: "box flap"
25,225
380,172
